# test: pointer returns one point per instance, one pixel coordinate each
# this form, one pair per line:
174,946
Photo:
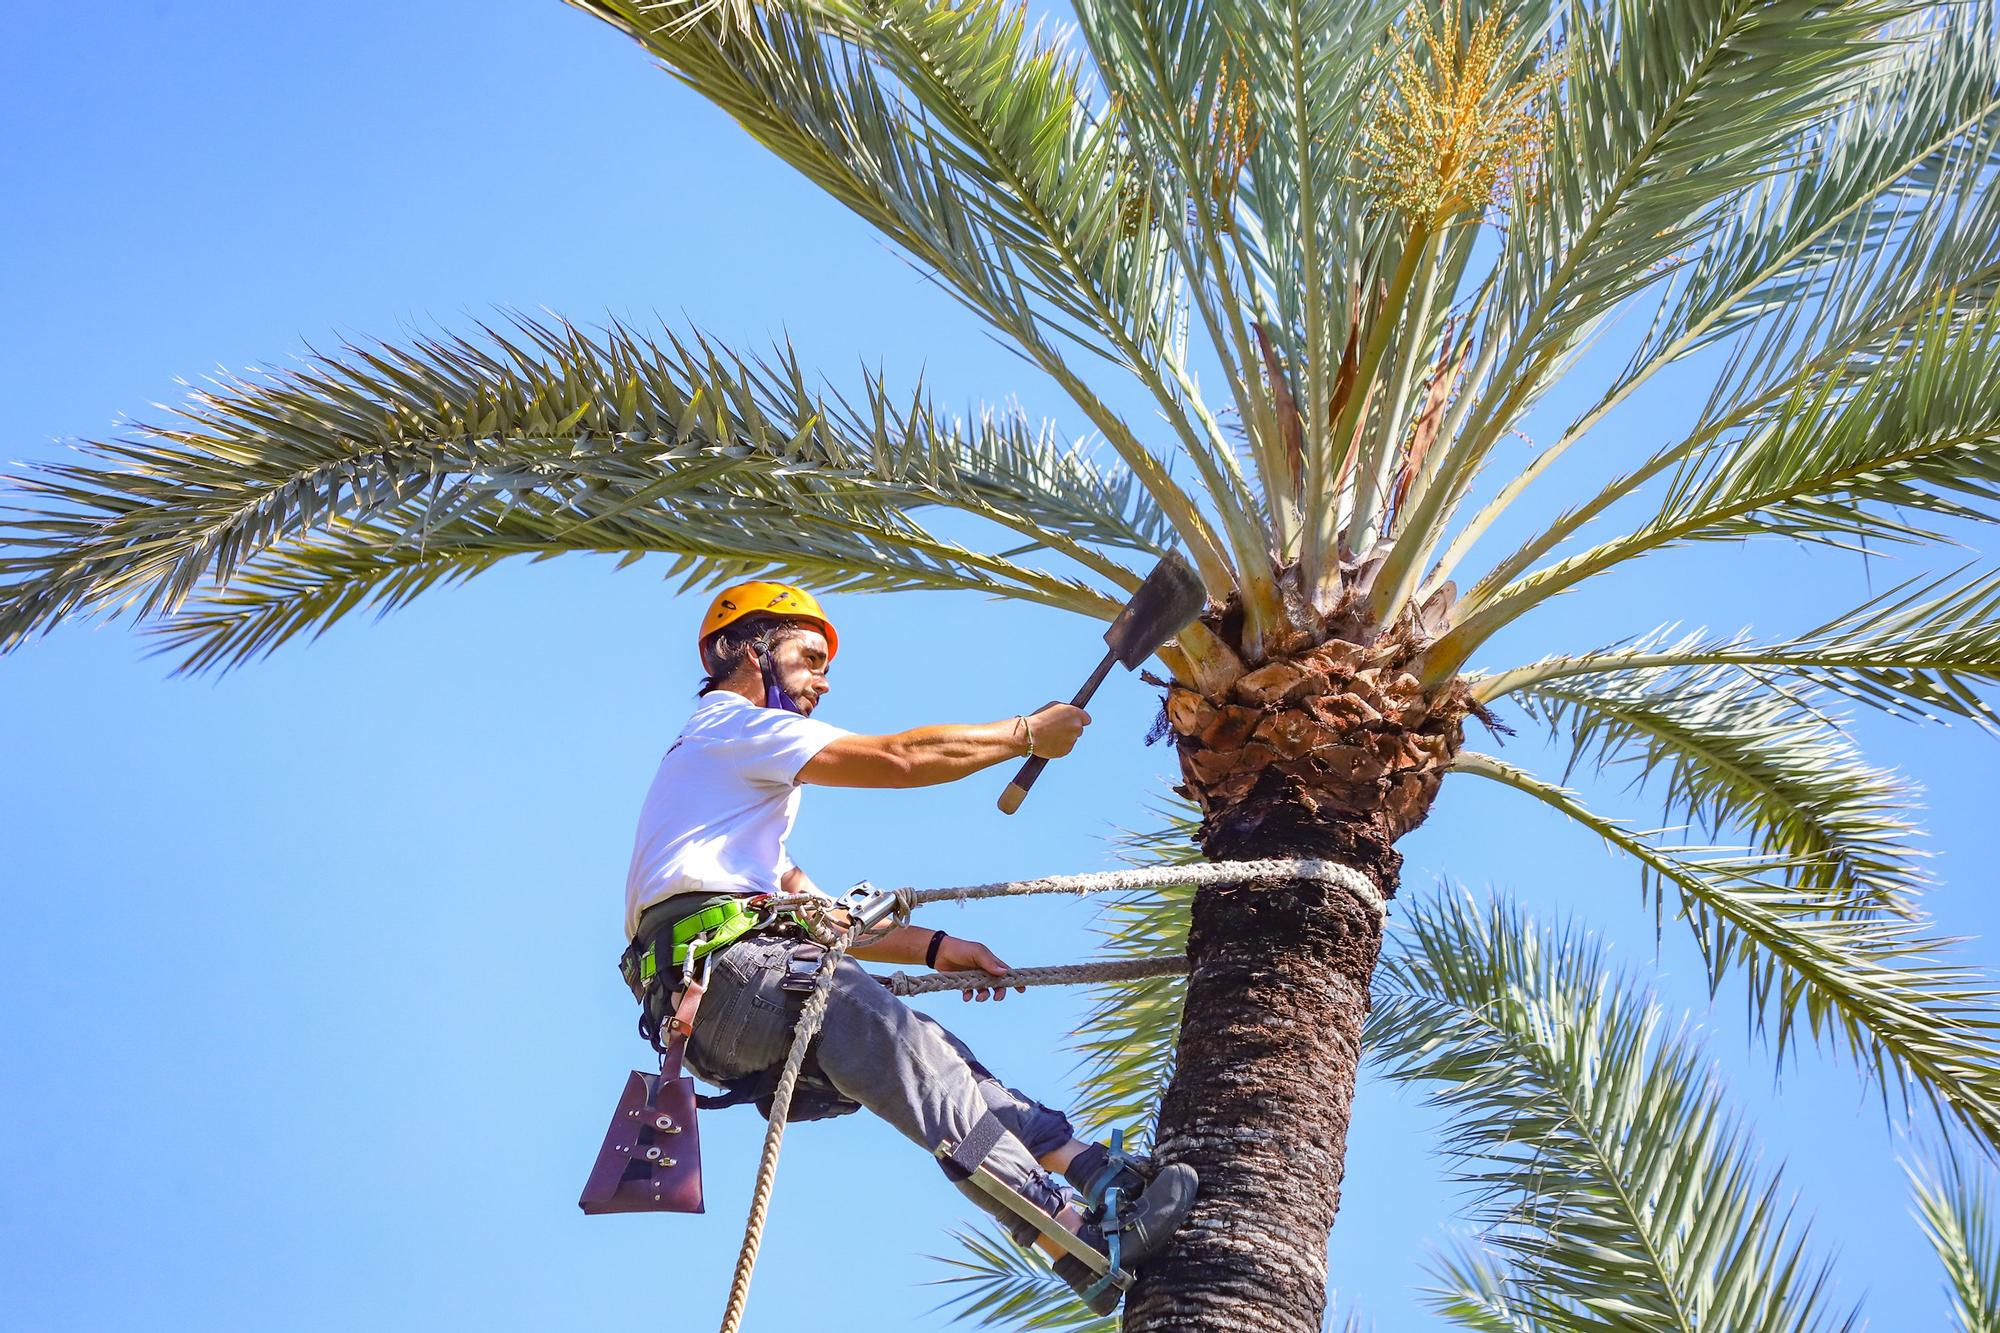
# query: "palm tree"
1339,251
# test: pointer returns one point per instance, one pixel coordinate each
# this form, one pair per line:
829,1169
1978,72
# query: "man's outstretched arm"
927,756
908,944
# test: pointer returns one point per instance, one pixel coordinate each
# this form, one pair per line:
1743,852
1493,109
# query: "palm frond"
968,142
1955,1204
1670,113
943,128
1878,986
1609,1172
1833,462
1843,459
1289,82
394,467
1126,1049
1870,218
1237,111
1872,182
1921,650
1472,1290
1736,757
1126,1043
717,538
1008,110
997,1284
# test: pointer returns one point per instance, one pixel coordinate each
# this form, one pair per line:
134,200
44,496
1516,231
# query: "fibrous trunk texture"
1261,1096
1332,747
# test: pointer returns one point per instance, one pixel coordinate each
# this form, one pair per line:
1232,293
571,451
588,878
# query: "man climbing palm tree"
710,863
1339,256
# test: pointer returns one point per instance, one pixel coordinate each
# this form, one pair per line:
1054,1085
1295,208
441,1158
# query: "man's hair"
722,651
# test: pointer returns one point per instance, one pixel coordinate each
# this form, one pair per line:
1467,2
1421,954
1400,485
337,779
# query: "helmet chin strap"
775,695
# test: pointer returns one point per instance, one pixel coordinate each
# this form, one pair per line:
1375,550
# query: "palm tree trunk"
1263,1086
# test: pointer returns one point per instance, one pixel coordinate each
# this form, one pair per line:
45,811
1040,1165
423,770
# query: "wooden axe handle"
1017,790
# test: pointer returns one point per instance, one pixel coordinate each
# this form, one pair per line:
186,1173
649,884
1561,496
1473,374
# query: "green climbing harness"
719,924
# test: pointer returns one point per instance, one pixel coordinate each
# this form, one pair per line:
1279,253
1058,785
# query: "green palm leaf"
1841,458
1473,1291
433,461
1126,1041
1920,650
1873,216
1857,194
1955,1205
1830,463
997,1284
967,142
1126,1050
1877,985
1670,114
1609,1173
1732,755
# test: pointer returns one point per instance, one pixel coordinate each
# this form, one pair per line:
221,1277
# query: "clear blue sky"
307,1005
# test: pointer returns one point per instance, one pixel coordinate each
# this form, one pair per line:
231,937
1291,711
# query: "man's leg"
909,1070
1042,1130
879,1052
906,1068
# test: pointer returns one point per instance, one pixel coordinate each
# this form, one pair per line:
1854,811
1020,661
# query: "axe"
1166,602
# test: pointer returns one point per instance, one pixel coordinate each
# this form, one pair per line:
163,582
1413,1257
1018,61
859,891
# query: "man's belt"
703,933
714,923
699,934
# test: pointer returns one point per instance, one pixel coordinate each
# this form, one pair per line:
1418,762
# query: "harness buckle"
802,967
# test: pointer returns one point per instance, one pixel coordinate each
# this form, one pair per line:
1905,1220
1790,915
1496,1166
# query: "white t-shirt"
722,803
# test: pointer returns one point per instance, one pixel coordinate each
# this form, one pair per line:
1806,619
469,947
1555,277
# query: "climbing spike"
1105,1266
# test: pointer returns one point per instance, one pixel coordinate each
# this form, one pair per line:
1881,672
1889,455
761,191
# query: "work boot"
1098,1167
1148,1222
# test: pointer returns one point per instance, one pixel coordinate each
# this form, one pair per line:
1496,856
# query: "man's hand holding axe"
1165,603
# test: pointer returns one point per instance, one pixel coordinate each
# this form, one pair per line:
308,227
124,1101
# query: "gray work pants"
877,1051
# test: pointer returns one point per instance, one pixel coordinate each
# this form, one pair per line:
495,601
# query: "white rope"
1069,974
808,1026
1201,874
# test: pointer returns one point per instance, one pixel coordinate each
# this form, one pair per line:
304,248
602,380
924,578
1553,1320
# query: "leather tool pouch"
651,1158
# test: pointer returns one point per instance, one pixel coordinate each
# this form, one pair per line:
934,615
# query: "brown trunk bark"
1264,1085
1332,746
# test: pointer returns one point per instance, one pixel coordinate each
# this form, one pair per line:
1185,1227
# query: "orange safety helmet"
778,599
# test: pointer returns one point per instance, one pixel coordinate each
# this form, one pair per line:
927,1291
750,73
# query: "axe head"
1166,602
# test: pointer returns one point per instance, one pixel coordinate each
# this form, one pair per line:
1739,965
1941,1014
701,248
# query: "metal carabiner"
694,968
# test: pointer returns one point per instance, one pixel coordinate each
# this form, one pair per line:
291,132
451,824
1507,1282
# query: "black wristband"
930,954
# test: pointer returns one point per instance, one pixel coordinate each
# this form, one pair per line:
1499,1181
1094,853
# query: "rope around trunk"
1208,874
1200,875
